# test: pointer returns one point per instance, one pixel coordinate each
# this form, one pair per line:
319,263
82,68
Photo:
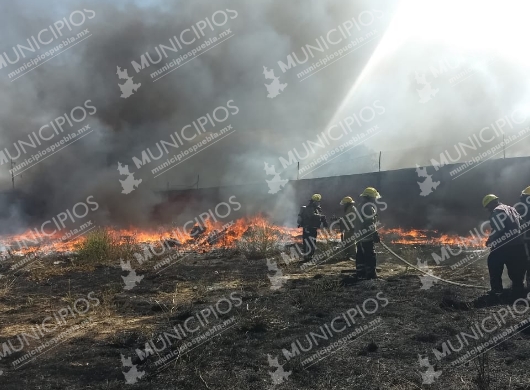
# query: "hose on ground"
426,273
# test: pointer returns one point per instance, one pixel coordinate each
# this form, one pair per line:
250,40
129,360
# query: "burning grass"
254,237
430,237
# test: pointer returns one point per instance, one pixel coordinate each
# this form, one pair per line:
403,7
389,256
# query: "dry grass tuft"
6,286
260,241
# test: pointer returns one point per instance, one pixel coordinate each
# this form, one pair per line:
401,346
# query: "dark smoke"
265,33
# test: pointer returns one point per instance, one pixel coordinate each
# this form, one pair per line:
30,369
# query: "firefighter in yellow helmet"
505,241
523,208
347,227
310,219
366,234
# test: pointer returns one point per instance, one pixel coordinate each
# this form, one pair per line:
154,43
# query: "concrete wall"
453,207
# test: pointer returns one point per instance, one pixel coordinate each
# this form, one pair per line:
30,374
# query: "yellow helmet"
346,200
371,192
316,197
488,199
526,191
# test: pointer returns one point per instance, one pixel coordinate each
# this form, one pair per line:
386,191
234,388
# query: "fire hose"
426,273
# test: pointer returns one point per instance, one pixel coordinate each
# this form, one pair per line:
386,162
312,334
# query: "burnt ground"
266,320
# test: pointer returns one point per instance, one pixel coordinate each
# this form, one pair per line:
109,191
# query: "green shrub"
102,246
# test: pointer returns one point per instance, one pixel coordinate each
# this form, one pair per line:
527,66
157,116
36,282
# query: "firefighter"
310,219
506,245
523,208
366,232
347,228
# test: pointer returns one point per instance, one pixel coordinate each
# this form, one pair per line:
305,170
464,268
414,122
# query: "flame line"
182,258
73,238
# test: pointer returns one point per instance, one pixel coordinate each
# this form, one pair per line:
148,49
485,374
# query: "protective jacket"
524,212
348,228
505,227
311,216
347,222
365,223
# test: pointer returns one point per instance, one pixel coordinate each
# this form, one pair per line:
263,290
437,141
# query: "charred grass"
266,322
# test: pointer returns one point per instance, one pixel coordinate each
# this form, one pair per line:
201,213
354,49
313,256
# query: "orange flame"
217,235
430,237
